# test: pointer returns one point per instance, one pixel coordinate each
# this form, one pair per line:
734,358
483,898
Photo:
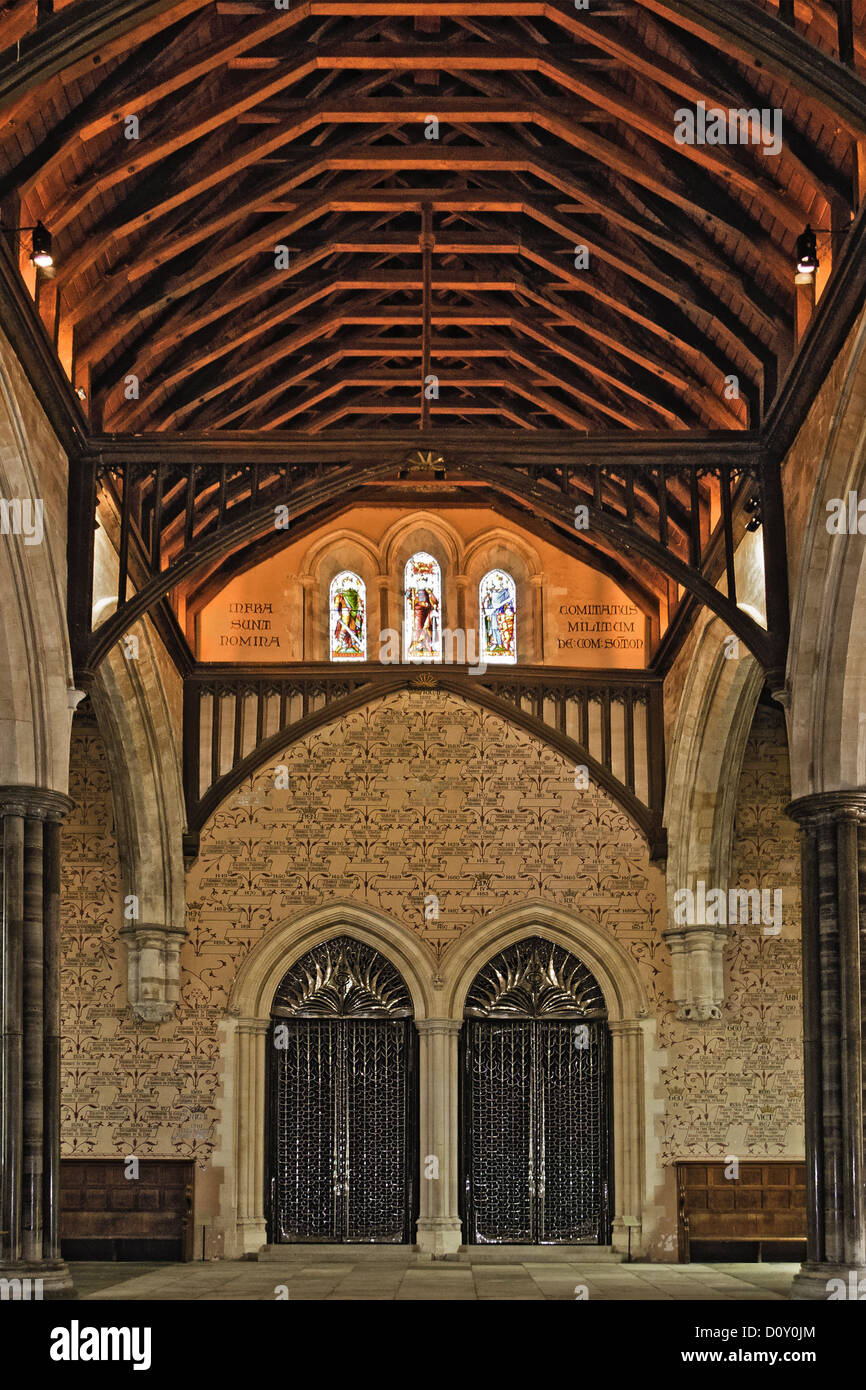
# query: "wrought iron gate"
343,1100
535,1101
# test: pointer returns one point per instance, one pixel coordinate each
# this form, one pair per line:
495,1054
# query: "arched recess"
249,1011
826,676
36,695
340,550
419,532
142,738
715,716
628,1017
509,551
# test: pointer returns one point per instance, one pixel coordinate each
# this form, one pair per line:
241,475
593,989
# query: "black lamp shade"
42,254
807,252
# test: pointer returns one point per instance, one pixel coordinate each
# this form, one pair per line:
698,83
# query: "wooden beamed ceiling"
328,205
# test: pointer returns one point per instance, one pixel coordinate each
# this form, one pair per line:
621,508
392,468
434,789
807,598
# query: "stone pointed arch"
398,543
36,696
628,1019
709,743
826,677
612,966
320,551
249,1011
262,970
141,730
475,560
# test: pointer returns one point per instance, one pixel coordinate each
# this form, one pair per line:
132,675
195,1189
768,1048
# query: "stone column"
374,647
833,826
461,584
439,1228
250,1133
309,588
537,582
628,1132
30,1054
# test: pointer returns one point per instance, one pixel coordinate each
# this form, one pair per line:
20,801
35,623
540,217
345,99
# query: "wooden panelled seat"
761,1214
106,1215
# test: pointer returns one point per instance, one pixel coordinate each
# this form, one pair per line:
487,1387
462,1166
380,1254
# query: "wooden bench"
760,1212
107,1216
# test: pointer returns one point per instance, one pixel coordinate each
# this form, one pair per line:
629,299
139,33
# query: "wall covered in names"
437,814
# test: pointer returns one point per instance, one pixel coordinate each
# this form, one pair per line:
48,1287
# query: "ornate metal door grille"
536,1132
342,1099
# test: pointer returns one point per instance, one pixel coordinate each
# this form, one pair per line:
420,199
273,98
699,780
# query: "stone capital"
438,1026
253,1026
152,934
707,935
37,803
828,808
625,1027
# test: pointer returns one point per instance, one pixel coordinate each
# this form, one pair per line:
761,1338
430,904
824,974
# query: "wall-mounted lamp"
753,507
41,253
806,255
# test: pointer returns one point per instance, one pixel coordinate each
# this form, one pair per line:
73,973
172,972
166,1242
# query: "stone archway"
826,700
706,755
628,1016
36,704
438,1001
826,678
249,1012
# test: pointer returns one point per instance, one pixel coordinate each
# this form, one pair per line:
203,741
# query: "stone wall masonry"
421,794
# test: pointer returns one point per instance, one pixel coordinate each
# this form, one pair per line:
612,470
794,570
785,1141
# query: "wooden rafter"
306,128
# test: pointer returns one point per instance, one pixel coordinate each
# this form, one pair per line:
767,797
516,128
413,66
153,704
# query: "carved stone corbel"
697,955
153,969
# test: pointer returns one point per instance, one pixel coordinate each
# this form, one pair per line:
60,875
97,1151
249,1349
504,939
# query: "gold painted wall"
277,610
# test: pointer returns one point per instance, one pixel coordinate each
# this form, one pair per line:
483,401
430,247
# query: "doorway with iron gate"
535,1103
343,1104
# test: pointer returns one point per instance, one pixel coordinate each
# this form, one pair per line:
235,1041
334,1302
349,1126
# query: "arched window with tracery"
422,610
497,617
348,617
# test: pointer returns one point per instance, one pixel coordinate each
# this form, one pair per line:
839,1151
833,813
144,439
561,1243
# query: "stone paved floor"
397,1275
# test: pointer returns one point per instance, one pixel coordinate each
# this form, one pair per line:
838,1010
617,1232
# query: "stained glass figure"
348,605
422,614
497,618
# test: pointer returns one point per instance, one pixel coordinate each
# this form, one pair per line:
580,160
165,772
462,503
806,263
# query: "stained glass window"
422,613
348,606
497,617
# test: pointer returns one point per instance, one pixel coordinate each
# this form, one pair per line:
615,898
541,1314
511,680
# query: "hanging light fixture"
807,257
41,254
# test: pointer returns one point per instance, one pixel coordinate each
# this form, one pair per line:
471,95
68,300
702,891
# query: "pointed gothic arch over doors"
342,1104
250,1022
628,1018
535,1144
